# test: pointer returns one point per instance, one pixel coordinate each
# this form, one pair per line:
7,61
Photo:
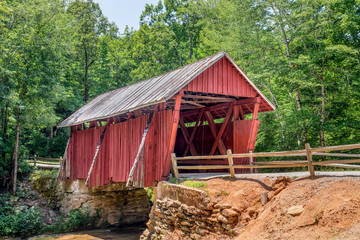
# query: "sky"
124,12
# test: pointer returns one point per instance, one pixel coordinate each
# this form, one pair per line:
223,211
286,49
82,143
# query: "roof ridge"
148,79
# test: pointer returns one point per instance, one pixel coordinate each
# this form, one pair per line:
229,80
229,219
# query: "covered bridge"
128,134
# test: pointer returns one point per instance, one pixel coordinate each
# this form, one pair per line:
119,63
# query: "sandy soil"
331,207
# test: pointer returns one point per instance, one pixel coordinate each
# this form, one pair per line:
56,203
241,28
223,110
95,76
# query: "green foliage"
194,184
17,221
222,192
58,54
79,219
150,193
43,174
172,179
22,223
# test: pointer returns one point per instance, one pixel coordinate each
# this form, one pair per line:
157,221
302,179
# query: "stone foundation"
188,211
116,204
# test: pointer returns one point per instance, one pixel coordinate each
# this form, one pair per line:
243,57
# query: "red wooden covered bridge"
128,134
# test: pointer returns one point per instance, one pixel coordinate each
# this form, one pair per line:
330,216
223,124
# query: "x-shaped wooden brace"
189,142
218,134
187,137
217,143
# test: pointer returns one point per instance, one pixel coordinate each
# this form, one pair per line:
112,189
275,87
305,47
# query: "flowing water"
125,233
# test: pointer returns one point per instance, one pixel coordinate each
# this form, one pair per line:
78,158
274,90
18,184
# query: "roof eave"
60,125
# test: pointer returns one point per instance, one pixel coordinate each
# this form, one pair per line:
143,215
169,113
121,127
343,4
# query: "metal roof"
145,93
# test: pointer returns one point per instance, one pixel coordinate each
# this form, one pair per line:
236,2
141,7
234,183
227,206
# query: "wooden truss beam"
223,106
192,103
214,131
187,137
221,131
209,98
199,118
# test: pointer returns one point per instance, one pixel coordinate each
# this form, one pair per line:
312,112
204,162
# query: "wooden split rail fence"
44,162
307,153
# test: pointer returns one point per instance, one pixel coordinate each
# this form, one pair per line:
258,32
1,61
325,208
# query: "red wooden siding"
244,134
222,78
119,149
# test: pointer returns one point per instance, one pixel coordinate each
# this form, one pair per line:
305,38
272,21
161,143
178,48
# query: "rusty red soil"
331,207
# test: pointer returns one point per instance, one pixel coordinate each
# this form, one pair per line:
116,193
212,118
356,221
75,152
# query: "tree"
91,25
32,60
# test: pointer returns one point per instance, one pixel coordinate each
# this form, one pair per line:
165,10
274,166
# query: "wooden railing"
44,162
307,153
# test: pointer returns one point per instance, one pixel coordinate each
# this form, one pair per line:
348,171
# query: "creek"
123,233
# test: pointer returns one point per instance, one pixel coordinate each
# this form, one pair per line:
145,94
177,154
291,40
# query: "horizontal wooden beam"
224,106
204,167
336,161
203,162
280,162
192,103
336,148
209,98
342,165
271,166
336,154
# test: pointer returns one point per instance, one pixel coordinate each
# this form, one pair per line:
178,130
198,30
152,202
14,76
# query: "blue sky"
124,12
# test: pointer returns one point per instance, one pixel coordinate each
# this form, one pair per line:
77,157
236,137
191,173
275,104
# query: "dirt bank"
327,207
261,208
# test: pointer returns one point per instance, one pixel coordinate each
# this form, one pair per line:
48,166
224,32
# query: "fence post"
174,163
251,162
309,158
35,160
231,163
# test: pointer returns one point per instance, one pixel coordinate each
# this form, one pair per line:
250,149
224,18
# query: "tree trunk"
274,101
15,155
322,135
86,85
5,127
190,41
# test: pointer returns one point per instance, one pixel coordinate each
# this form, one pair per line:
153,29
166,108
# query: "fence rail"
307,153
42,162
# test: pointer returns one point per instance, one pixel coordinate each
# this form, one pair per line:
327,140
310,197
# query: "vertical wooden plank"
142,176
231,163
224,76
174,166
251,163
219,76
236,112
213,75
309,158
256,108
141,146
174,127
230,77
95,156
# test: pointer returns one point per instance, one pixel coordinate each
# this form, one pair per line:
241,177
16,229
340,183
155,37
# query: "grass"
222,192
194,184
